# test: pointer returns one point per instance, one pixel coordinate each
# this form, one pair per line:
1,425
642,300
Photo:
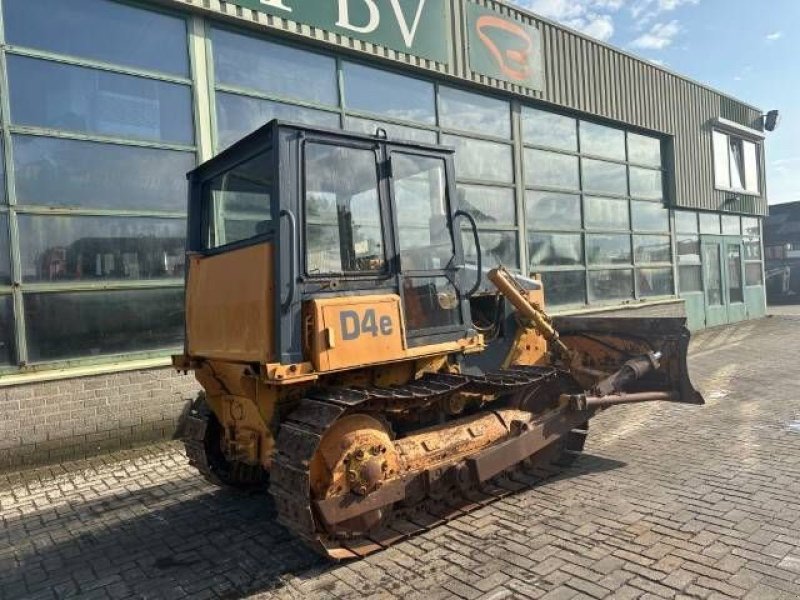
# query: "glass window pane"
646,183
476,159
491,207
60,172
274,69
541,128
3,199
603,141
473,112
84,324
688,249
5,251
7,339
649,249
754,274
608,249
384,93
691,279
550,169
101,30
562,288
421,205
550,210
752,248
722,173
395,132
655,282
751,168
72,98
751,226
605,178
735,288
430,303
731,225
98,248
686,222
497,247
555,250
606,213
712,267
343,216
649,216
736,150
237,203
644,150
709,224
239,115
616,284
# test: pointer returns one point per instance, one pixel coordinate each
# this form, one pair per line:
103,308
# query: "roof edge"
529,13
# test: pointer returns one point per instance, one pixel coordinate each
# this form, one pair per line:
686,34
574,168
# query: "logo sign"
418,27
504,48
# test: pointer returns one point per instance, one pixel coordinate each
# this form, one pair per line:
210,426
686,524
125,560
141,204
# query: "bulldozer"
357,369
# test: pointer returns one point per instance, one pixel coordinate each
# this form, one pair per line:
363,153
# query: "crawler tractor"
355,366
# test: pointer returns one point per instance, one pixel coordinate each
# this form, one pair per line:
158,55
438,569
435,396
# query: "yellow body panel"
230,310
361,331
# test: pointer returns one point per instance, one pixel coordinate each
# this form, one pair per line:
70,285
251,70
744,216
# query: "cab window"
237,203
342,210
423,221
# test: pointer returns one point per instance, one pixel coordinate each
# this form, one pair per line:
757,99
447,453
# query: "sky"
749,49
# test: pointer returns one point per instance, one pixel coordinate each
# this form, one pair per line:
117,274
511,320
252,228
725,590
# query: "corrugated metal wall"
581,75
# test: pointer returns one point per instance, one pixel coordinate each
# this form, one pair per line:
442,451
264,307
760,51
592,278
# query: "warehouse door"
723,275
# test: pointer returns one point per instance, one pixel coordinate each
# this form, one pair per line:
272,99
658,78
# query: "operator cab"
346,216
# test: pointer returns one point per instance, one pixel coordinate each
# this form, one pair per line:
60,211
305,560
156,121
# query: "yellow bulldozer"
357,368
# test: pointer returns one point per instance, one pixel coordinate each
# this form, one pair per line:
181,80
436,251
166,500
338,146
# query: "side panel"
230,305
357,330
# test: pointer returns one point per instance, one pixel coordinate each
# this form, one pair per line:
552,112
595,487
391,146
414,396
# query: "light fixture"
771,120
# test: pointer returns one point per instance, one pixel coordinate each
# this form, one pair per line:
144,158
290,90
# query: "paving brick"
669,502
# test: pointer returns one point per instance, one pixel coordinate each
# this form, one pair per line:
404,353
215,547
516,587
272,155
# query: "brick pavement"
669,502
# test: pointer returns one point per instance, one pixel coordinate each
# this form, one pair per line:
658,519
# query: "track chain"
300,435
198,440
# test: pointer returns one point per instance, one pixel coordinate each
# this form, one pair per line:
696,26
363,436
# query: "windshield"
237,203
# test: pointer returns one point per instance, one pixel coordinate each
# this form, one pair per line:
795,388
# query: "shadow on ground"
165,541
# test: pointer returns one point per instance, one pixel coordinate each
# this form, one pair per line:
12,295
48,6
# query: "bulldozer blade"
601,345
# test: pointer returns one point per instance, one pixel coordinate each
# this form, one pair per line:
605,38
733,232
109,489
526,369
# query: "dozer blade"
602,345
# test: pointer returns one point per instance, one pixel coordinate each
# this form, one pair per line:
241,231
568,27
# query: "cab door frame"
455,275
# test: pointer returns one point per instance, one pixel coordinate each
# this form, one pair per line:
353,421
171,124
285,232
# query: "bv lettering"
374,20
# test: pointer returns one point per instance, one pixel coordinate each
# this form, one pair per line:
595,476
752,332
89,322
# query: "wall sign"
418,27
504,48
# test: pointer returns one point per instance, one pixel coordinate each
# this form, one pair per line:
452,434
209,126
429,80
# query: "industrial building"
628,187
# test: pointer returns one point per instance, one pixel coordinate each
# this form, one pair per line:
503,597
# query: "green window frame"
19,298
608,215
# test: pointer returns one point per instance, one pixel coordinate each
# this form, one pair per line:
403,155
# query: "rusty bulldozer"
357,368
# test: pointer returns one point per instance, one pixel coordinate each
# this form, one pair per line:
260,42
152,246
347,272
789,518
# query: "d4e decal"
354,325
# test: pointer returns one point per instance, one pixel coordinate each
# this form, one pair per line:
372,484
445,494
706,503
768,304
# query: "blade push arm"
507,284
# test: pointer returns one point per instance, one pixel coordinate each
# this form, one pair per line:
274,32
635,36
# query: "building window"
735,164
687,242
280,82
102,133
753,257
597,227
479,128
